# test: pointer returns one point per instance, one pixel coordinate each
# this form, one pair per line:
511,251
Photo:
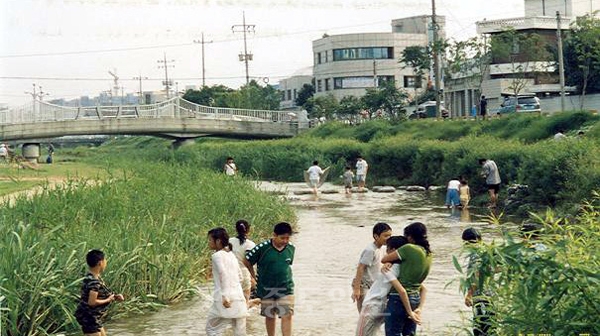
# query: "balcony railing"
521,23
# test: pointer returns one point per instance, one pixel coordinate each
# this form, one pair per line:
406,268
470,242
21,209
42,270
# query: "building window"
289,94
412,82
383,79
319,85
363,53
327,84
318,58
338,83
295,94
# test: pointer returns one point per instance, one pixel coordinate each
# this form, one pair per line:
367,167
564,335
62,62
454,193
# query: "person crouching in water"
452,194
229,304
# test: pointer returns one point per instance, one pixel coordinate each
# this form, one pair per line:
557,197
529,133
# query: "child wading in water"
240,245
372,313
95,296
348,177
229,304
369,264
465,194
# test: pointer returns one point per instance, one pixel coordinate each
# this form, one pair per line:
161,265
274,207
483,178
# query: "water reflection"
333,230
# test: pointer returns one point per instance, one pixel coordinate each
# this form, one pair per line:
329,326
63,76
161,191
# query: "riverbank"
558,174
151,220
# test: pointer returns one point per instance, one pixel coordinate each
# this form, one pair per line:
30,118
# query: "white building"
540,18
348,64
291,86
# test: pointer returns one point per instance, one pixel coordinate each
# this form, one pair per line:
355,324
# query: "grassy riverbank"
150,218
560,174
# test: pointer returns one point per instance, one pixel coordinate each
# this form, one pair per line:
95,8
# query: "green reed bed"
544,285
150,220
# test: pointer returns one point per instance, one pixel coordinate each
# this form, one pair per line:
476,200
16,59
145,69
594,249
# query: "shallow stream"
333,230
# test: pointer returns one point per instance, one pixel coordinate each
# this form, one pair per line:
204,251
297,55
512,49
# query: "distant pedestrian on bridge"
230,168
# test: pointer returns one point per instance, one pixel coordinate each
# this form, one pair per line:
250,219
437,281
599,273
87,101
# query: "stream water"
332,232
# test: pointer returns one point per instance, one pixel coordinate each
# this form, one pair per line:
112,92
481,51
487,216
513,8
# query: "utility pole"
436,61
203,69
374,73
166,64
561,62
141,93
245,57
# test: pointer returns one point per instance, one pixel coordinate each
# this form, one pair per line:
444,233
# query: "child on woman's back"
369,264
229,304
372,313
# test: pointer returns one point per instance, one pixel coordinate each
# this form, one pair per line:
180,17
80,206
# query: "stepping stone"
384,189
330,191
415,188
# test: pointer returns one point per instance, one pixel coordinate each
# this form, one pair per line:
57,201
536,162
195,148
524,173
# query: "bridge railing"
173,108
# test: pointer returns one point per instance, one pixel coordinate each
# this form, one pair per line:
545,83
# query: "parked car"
426,110
520,103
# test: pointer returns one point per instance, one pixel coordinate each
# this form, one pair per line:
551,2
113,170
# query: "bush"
543,286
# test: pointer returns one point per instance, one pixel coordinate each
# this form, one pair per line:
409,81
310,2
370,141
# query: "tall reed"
151,220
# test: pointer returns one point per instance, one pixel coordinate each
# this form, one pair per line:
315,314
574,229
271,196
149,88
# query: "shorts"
494,187
90,323
314,183
464,201
281,307
348,184
361,178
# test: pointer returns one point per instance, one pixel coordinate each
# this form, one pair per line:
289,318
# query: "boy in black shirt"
95,296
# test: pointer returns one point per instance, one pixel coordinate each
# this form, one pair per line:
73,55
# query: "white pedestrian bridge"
175,118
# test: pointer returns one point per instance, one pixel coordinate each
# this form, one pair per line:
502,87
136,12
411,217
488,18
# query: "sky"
69,46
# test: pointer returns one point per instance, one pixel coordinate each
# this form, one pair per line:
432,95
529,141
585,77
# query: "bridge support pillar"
181,142
31,152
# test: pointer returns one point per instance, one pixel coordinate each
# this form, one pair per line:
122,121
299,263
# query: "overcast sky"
68,46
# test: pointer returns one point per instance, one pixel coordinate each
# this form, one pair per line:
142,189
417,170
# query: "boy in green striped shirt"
274,282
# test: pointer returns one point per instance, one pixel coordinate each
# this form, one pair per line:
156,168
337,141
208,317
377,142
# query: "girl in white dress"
240,245
229,303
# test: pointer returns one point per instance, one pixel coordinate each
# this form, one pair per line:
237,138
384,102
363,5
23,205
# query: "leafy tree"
215,95
418,58
349,107
385,98
321,106
469,60
306,92
523,51
582,55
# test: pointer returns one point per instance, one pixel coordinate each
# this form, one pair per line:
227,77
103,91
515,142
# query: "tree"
321,106
418,58
385,98
254,96
468,60
349,107
582,55
209,96
526,52
305,93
